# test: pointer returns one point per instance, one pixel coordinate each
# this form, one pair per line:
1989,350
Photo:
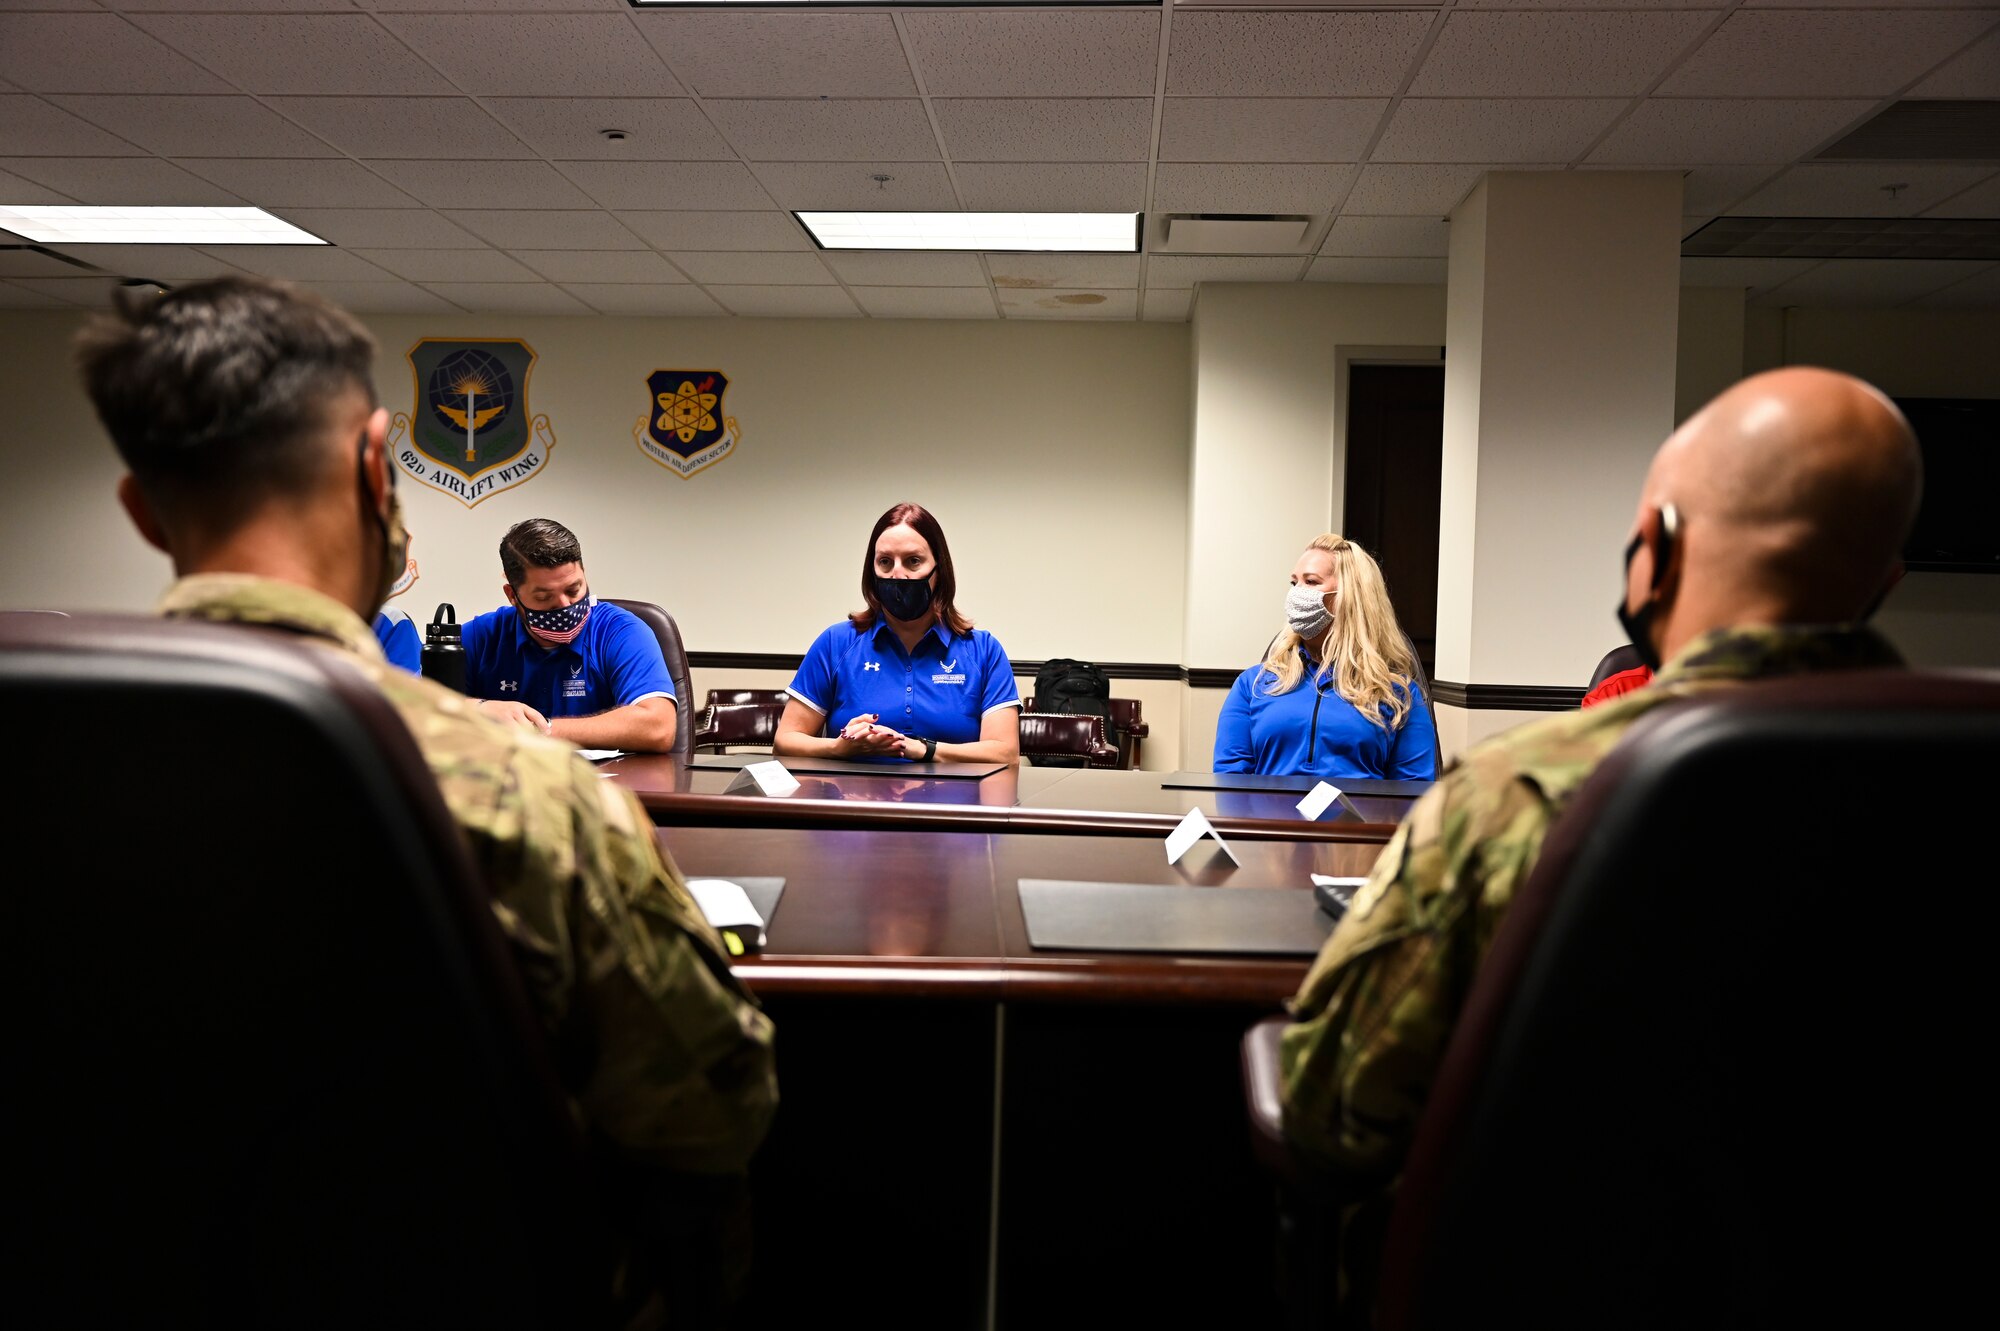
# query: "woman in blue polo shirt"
906,677
1336,695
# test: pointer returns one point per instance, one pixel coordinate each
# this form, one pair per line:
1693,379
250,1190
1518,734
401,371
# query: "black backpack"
1074,687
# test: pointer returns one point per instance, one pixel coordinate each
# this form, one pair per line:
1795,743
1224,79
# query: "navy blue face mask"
904,598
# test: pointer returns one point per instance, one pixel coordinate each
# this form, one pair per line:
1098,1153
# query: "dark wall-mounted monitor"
1958,527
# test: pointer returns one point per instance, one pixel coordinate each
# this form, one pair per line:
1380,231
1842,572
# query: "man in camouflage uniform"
1769,527
243,409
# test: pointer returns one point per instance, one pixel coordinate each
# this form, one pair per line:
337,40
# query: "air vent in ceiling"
1845,238
1925,131
1232,233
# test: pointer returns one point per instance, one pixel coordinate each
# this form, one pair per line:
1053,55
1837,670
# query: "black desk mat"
733,762
1287,782
1144,917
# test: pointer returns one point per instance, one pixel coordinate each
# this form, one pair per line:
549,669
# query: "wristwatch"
930,749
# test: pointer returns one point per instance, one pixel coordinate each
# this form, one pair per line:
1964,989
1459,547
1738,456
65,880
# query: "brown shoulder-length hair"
919,520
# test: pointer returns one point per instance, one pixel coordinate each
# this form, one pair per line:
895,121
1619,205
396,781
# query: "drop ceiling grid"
714,85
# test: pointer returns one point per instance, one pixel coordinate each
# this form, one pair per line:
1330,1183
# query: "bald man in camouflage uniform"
257,456
1769,527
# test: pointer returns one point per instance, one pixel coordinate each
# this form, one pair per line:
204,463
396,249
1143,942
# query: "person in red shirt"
1638,677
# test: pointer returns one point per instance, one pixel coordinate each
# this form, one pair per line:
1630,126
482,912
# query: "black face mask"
904,598
1638,624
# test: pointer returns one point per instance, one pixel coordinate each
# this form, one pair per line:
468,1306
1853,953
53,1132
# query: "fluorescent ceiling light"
1097,233
75,224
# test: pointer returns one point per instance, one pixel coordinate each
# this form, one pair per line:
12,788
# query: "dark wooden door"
1395,452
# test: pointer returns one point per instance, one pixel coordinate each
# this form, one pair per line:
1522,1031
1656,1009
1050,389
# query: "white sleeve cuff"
807,701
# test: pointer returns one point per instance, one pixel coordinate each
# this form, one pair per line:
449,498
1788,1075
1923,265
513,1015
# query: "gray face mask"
1306,612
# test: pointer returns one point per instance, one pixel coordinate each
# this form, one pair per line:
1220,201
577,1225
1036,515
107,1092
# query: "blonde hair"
1368,654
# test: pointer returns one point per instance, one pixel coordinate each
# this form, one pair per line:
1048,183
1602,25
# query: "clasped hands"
516,713
864,736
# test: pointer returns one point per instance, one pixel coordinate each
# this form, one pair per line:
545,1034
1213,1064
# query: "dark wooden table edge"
1055,979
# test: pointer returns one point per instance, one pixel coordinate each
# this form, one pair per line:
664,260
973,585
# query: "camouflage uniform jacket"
667,1054
1377,1009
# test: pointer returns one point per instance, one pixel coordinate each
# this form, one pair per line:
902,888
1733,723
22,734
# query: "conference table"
975,1131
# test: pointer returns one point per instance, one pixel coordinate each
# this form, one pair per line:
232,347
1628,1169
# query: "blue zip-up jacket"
1313,730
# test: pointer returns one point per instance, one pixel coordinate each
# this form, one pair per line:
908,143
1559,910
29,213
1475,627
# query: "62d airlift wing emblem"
469,433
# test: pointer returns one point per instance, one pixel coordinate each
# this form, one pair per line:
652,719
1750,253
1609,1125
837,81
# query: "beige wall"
1709,346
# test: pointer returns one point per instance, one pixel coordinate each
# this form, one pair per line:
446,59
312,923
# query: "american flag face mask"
558,626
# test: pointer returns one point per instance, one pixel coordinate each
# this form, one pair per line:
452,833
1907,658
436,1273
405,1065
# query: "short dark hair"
216,392
919,520
540,542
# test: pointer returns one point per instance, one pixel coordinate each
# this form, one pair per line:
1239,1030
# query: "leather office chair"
669,633
1128,723
274,1063
1053,739
727,724
1616,661
1719,1067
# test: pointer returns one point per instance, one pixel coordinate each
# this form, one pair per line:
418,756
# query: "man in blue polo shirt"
556,659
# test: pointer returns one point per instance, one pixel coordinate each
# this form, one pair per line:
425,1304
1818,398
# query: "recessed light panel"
76,224
1075,233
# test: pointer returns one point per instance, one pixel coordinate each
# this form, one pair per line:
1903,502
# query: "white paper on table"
1317,799
1323,880
1192,829
726,904
599,755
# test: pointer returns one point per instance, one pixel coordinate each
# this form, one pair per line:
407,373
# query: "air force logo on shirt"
576,686
950,675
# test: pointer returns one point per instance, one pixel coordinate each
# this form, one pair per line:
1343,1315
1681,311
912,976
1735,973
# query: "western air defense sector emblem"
685,428
469,433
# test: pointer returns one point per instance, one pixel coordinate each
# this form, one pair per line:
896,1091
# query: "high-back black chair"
270,1061
669,633
1616,661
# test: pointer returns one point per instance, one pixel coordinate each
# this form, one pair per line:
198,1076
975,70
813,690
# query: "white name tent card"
1192,829
767,778
728,908
1316,800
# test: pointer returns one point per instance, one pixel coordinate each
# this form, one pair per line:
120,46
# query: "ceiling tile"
768,230
1398,272
21,298
1400,189
889,131
1710,189
1248,187
299,182
917,185
1980,291
783,55
400,126
31,127
164,263
1268,129
585,55
311,263
298,53
596,267
1036,53
1292,55
476,184
1975,74
198,126
637,298
1670,132
1748,274
1873,281
381,297
509,297
1102,129
1554,55
34,263
20,190
906,270
450,265
1865,53
1171,305
657,129
383,228
93,53
927,302
390,6
668,184
765,269
90,292
1611,4
1388,237
1059,304
1109,187
1180,270
548,229
121,180
1982,200
1073,272
786,302
236,6
1480,130
1858,189
1691,224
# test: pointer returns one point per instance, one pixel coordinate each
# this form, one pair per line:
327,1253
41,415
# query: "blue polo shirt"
942,692
615,661
1313,730
397,633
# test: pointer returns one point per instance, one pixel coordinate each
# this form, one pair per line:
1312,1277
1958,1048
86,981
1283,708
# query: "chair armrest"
1262,1099
1138,730
705,732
